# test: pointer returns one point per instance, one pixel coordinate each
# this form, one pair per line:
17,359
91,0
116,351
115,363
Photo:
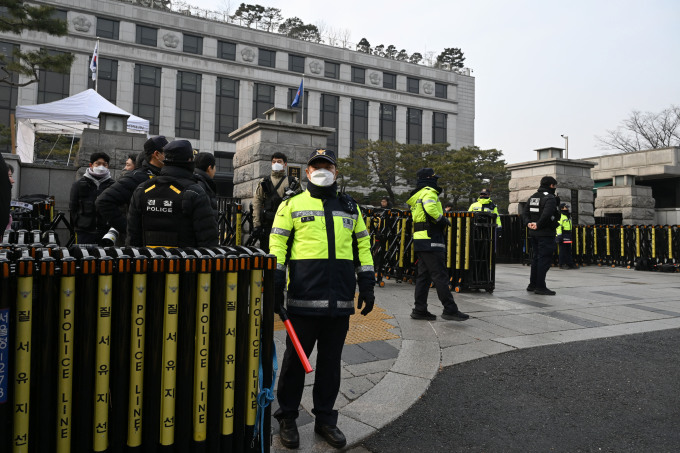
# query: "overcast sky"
542,68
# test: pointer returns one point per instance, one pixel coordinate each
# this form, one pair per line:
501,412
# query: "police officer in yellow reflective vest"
564,238
321,237
429,225
172,210
485,204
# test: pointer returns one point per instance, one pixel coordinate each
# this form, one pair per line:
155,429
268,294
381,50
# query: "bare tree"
644,130
345,36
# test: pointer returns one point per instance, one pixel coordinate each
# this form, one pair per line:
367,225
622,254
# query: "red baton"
296,342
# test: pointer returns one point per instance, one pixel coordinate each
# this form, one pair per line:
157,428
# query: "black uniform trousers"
565,255
543,248
432,268
329,334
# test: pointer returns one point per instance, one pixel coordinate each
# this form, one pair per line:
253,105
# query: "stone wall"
634,203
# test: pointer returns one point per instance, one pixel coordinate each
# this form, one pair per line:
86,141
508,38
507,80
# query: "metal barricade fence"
134,349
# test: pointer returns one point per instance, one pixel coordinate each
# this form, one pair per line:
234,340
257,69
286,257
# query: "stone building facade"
199,79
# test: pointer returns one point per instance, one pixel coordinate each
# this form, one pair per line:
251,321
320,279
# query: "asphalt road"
619,394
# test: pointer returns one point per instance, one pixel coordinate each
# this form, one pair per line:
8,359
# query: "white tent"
68,117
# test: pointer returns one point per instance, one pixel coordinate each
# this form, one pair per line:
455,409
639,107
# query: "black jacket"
209,186
84,215
5,194
112,204
171,210
542,209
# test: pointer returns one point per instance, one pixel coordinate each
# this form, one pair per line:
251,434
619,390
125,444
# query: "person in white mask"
268,195
87,222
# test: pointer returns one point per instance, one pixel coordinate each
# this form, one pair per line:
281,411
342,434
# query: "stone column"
168,103
259,139
573,177
634,203
373,120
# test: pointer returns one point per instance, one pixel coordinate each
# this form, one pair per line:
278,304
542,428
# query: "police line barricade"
510,246
470,252
134,349
640,247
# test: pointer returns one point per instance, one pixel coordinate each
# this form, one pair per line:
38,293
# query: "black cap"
154,144
322,154
178,151
426,173
547,181
484,192
564,205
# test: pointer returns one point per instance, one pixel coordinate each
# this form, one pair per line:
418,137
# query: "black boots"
331,434
288,432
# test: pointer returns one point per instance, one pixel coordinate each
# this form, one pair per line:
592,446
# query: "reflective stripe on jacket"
326,247
564,225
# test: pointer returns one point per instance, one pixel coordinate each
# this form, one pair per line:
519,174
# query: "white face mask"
322,177
100,170
277,167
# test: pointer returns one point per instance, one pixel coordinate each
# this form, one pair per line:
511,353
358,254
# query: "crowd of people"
166,197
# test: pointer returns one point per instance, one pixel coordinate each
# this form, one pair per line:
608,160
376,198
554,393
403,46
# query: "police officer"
485,204
327,241
429,225
88,222
564,238
172,210
268,195
112,204
541,216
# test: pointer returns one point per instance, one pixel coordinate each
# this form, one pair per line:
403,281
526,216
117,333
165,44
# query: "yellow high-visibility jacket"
326,246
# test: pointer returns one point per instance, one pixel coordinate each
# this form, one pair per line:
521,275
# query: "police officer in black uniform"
172,210
112,204
541,216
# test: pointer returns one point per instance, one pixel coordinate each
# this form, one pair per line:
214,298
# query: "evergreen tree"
19,16
451,57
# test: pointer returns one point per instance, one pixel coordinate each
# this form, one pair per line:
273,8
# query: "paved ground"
383,379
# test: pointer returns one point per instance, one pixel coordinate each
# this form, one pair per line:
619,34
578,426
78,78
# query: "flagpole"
302,98
96,80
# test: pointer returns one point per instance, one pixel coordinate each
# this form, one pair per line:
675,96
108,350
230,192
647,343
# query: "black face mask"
566,212
551,190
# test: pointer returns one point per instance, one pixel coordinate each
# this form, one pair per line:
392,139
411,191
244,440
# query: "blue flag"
298,95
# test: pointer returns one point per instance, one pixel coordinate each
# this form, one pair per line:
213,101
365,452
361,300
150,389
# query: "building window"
389,81
107,28
414,126
8,94
224,173
107,78
439,127
388,123
291,96
412,85
441,91
359,123
296,63
147,36
53,86
331,70
358,75
226,50
330,109
266,58
193,44
263,99
188,105
147,96
226,110
60,14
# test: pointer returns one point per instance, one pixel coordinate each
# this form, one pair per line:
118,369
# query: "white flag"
93,63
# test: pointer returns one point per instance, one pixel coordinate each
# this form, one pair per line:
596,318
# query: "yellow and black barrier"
470,247
134,349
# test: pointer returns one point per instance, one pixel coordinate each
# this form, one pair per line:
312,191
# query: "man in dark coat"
90,226
113,203
541,216
5,193
204,172
172,210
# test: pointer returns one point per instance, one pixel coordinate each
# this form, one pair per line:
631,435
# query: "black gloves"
257,232
558,239
369,299
499,232
279,287
443,222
